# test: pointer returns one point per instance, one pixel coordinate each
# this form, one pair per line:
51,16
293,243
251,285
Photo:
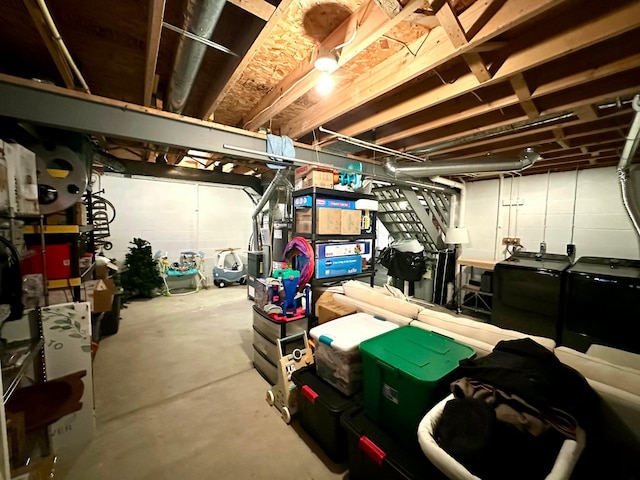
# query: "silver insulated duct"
627,175
201,17
527,157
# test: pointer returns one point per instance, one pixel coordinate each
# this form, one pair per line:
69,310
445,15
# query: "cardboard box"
99,294
328,221
41,469
328,309
313,176
338,266
350,222
315,179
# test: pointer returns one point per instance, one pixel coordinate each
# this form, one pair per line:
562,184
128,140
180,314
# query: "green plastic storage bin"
406,372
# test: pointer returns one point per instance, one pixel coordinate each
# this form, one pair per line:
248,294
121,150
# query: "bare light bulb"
325,83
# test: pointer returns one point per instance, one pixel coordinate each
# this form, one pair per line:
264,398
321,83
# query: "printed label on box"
338,266
390,393
326,250
307,201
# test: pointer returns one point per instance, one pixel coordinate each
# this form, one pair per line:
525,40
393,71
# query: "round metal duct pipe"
527,157
201,17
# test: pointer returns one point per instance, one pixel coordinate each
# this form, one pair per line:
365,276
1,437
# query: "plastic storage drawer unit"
268,349
319,410
267,369
374,455
273,329
406,372
338,358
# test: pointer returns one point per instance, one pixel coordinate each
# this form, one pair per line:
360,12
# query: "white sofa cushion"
367,307
562,468
624,378
484,332
380,298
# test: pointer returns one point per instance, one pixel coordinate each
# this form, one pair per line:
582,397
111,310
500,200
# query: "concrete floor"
177,397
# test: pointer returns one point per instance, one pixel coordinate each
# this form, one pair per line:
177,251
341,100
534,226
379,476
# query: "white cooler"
338,359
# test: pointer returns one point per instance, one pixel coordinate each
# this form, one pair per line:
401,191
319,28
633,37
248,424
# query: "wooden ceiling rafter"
215,98
452,27
259,8
402,67
554,86
64,69
154,32
369,22
579,37
557,109
523,92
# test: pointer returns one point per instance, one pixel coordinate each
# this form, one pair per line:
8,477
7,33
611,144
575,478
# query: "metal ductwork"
527,158
627,175
201,17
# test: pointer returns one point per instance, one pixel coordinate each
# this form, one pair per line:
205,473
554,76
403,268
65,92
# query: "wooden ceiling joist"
523,92
493,144
616,22
45,33
404,66
451,25
215,98
369,22
558,134
259,8
154,31
577,79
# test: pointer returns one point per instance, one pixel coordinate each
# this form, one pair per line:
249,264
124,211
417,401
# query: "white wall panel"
177,216
602,227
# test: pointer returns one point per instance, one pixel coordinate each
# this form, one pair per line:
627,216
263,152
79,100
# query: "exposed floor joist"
259,8
404,66
367,23
154,31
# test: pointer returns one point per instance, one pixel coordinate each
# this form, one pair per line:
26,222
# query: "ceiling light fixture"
325,84
327,62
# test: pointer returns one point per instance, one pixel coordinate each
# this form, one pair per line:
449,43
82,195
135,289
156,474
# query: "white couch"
615,379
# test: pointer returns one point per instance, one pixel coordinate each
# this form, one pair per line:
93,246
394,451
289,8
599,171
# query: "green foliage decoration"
140,277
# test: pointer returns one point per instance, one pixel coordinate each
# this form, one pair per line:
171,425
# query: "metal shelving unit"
16,357
314,238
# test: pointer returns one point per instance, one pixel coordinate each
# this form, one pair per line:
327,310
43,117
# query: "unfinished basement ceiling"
444,80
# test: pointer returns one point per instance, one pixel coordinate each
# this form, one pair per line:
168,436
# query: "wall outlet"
515,241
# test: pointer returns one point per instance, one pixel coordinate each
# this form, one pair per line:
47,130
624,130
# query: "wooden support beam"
615,22
451,25
558,134
212,102
433,51
586,112
45,33
523,92
369,22
577,79
154,31
488,143
259,8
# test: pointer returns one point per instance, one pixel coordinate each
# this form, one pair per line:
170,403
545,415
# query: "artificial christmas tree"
140,277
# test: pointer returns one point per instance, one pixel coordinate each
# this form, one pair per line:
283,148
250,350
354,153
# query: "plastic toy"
290,280
229,268
295,353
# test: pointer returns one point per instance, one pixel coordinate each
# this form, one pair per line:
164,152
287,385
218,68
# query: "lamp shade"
457,235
